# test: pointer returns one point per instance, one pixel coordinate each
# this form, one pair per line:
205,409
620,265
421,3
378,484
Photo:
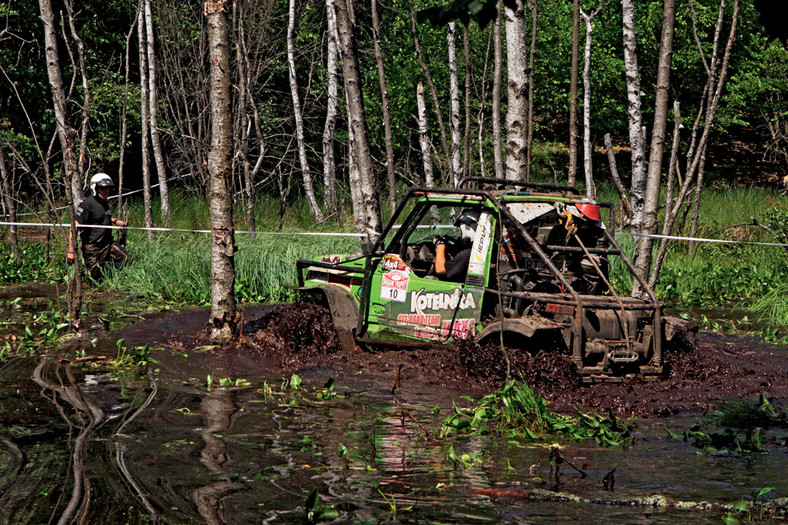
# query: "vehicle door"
407,299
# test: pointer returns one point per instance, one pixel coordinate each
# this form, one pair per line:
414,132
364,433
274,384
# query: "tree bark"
153,114
572,175
306,174
366,207
144,123
65,132
517,90
424,138
636,131
529,138
223,310
466,152
643,254
123,130
588,149
384,96
332,109
454,97
498,158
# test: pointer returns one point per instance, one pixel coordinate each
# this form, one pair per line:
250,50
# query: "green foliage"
516,411
30,268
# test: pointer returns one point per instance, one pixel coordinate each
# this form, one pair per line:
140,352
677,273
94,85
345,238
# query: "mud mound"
299,329
549,373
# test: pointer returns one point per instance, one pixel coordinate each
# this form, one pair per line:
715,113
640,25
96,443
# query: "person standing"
97,243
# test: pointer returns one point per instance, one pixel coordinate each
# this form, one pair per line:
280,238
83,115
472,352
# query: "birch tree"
306,173
65,132
517,90
153,114
643,254
424,138
223,310
366,207
332,108
637,132
454,97
144,123
588,19
433,91
572,175
498,157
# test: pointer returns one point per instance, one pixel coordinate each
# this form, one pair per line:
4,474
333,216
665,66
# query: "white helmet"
100,180
467,223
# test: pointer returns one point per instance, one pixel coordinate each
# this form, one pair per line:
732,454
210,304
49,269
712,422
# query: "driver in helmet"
97,243
454,268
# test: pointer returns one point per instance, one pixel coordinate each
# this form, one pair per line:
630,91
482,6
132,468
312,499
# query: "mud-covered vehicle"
537,276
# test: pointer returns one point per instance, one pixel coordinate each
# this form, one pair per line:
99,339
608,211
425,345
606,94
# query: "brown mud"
701,370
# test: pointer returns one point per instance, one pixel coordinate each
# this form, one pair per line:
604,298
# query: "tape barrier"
174,230
700,239
332,234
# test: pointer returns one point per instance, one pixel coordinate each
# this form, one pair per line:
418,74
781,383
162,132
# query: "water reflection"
141,449
66,395
218,409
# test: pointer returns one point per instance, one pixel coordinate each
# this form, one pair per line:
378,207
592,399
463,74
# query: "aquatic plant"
517,411
742,422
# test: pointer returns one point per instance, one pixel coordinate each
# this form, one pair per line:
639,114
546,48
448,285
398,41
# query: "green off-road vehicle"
536,277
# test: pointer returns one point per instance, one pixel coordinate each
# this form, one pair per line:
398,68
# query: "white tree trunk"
144,122
498,157
636,130
643,255
153,113
588,148
517,109
424,138
332,107
454,96
572,175
306,174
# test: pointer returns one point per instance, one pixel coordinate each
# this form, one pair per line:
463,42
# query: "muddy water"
81,441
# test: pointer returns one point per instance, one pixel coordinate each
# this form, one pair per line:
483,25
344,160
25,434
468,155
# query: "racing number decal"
394,286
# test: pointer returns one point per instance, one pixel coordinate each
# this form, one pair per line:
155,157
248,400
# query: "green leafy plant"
315,514
516,411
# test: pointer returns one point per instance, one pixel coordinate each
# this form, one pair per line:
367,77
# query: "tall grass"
176,266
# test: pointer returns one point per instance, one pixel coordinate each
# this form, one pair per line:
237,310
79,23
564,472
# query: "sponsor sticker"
480,245
421,300
392,261
394,286
419,319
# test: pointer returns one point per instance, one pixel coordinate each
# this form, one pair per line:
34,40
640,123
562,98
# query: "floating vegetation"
516,411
